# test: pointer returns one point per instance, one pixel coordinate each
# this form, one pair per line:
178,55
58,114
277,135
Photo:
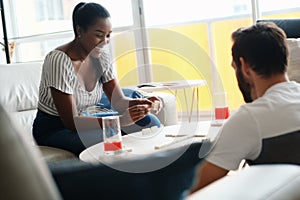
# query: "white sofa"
19,95
268,182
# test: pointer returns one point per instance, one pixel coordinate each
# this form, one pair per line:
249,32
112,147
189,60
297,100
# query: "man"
267,128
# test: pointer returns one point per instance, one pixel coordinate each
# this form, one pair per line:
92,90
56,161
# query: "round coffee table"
144,143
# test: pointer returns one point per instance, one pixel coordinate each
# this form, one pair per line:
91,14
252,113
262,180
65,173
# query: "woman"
72,79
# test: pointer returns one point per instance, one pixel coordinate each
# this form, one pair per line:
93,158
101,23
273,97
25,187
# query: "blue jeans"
49,130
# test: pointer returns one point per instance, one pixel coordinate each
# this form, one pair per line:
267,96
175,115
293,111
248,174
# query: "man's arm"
208,173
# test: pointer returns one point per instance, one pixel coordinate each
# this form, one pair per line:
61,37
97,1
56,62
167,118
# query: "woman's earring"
79,36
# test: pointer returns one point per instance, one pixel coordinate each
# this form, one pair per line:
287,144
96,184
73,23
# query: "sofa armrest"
168,114
276,181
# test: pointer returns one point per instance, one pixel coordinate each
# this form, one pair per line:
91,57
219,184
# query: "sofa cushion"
294,59
51,154
25,120
20,84
19,93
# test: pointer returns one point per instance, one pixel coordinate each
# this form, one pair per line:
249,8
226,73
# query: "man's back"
278,121
258,129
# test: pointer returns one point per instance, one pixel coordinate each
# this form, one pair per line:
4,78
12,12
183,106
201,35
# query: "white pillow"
19,85
293,69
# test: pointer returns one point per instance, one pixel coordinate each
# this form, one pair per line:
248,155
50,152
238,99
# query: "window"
209,26
49,10
279,9
184,39
189,41
170,12
44,25
278,6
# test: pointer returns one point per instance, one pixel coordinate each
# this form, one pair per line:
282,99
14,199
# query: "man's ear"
245,68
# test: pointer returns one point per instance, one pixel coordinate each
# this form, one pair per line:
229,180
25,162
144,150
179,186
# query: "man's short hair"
263,46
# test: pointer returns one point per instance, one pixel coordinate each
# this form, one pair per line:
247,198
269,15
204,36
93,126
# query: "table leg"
192,105
186,104
198,103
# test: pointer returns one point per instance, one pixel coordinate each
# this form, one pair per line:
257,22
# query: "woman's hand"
134,102
134,114
157,107
151,101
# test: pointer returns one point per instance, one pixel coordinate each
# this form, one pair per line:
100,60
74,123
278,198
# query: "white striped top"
58,72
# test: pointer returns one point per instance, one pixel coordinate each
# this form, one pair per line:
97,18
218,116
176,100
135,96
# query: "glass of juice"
220,106
112,138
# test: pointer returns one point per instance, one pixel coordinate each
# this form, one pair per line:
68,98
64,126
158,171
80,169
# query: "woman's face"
96,36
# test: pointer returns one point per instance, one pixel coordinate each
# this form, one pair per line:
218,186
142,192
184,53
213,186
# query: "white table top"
141,145
171,85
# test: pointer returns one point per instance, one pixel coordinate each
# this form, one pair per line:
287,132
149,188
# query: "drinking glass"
112,138
220,106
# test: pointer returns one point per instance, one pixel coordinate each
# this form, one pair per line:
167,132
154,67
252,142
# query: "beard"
244,87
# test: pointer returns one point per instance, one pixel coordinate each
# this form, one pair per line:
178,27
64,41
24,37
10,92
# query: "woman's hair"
263,46
85,15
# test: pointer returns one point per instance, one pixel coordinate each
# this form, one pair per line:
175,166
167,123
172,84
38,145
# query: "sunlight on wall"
124,58
221,32
183,56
